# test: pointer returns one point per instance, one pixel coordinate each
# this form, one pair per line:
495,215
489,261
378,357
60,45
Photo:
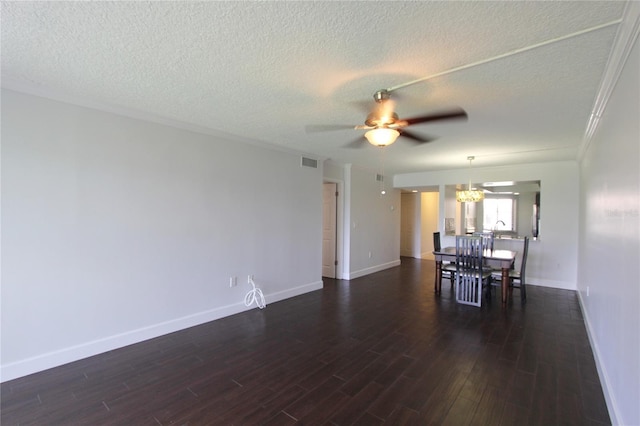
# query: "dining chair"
516,277
448,269
471,277
487,239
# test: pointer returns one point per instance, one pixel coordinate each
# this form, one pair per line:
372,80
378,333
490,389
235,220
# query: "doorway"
419,221
329,229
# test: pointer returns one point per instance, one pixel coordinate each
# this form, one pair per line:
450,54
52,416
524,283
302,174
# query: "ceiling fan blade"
456,113
315,128
416,137
357,143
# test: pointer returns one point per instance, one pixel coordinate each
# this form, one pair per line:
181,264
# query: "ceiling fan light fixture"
382,136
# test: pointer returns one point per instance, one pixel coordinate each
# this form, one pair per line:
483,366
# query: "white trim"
346,265
74,353
340,226
295,291
612,405
85,102
542,282
372,269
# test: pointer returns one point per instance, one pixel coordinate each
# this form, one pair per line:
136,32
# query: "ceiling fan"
384,126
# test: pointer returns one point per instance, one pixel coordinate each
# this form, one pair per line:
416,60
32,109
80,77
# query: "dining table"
497,259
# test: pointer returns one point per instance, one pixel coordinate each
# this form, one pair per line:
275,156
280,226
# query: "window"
499,214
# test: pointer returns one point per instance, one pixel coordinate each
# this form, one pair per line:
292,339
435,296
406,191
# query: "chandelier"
470,195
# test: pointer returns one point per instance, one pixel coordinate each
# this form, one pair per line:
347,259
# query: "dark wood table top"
487,254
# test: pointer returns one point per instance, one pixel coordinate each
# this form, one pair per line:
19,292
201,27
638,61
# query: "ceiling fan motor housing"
374,120
381,95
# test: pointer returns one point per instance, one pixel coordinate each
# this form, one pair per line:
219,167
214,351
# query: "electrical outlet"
587,291
233,281
249,279
369,255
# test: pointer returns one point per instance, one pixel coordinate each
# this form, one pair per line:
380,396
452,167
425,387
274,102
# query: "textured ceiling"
261,71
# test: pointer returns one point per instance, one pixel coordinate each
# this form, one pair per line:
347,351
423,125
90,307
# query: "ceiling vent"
309,162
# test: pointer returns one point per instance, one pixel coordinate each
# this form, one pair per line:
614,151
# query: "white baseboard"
372,269
612,406
292,292
48,360
542,282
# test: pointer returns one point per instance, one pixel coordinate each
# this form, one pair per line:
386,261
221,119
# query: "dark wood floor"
378,349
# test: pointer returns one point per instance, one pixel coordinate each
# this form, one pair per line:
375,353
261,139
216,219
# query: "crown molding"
86,102
625,38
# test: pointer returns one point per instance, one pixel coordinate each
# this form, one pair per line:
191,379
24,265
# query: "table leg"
438,282
504,286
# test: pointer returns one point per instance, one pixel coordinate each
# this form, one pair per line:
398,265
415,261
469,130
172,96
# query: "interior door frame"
340,250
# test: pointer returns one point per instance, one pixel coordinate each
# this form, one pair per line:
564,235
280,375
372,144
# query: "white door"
329,209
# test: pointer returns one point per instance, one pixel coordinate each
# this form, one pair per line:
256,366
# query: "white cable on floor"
255,295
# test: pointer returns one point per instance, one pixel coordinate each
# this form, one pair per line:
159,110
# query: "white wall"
526,201
609,271
115,230
374,221
552,260
333,172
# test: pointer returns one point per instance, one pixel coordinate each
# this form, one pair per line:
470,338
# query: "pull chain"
382,190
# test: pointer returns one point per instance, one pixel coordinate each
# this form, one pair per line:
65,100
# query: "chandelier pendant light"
470,195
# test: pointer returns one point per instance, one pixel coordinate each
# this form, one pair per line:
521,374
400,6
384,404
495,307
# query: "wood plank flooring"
381,349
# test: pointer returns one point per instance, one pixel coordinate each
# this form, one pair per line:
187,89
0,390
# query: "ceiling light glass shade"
382,136
470,196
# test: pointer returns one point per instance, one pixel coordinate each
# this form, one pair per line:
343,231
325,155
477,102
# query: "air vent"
379,177
309,162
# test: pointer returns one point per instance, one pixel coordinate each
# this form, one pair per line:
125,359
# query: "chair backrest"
469,270
436,241
487,239
525,253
